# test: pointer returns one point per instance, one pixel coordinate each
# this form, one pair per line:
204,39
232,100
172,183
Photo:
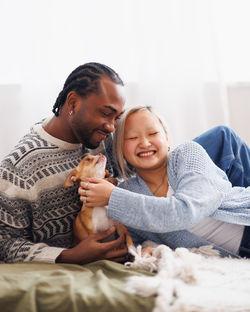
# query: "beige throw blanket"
187,281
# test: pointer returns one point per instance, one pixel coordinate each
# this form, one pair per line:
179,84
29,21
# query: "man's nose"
110,126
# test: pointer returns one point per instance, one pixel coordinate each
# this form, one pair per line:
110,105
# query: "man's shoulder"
25,148
25,156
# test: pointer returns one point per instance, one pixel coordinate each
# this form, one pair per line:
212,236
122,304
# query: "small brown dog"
94,219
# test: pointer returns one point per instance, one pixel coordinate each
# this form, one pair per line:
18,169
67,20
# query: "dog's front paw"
142,261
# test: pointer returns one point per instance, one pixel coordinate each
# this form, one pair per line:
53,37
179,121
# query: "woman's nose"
145,141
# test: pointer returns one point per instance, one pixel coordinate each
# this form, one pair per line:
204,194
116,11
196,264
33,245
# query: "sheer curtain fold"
178,68
166,52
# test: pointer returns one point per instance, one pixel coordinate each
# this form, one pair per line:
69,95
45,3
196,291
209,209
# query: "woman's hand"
95,192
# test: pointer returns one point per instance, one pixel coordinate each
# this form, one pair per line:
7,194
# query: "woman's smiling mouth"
146,154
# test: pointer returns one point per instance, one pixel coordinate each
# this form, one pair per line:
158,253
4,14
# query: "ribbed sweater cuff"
46,255
115,202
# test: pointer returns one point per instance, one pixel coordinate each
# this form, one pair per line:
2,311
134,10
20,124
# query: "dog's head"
92,167
89,167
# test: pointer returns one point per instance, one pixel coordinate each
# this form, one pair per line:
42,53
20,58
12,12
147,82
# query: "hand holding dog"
95,192
92,249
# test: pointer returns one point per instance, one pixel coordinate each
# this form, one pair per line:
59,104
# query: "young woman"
164,192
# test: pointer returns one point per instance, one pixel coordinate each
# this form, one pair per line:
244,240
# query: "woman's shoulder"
132,184
186,151
187,147
128,183
188,156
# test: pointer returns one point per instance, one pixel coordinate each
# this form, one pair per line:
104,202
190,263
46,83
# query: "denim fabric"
229,152
232,155
244,250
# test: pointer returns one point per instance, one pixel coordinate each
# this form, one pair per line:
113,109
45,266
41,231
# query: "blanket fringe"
191,280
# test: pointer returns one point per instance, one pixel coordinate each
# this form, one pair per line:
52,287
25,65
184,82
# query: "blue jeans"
229,152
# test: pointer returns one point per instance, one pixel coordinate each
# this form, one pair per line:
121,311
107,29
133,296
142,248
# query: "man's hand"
91,249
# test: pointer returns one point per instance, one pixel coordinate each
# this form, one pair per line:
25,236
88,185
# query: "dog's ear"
112,180
71,178
107,173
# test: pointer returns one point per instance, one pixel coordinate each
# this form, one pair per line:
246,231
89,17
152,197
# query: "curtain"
166,51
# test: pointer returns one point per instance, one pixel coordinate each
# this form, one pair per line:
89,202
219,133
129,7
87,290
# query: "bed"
186,280
98,286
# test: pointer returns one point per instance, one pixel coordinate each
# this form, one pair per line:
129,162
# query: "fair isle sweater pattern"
36,212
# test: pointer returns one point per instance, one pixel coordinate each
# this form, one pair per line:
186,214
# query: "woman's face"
145,141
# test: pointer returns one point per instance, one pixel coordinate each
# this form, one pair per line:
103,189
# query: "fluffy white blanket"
187,281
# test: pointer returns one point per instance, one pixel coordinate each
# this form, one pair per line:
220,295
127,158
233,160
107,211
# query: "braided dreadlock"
84,80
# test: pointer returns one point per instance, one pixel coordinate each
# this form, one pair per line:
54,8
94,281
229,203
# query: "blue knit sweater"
201,189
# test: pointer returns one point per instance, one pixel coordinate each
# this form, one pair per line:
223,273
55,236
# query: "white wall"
166,52
10,117
239,105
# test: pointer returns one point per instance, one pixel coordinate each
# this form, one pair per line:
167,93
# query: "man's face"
98,114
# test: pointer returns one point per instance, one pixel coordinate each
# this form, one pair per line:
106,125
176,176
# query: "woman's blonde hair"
125,170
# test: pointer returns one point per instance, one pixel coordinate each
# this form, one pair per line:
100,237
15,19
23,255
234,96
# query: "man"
37,213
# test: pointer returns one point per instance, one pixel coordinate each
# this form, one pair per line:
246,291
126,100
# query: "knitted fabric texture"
201,189
36,211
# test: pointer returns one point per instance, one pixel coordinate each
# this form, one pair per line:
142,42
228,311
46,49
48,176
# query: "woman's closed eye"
131,138
153,133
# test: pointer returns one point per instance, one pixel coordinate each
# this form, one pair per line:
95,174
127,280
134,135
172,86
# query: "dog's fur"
94,219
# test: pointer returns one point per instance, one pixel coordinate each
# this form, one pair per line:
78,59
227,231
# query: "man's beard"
91,146
86,140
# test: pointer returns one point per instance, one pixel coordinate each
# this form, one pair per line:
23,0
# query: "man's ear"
72,102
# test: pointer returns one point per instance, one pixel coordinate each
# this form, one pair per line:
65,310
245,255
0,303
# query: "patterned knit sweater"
36,212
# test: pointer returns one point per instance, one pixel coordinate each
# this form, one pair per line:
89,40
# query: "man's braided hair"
84,80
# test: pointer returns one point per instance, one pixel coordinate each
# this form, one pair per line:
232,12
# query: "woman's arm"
195,199
197,185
